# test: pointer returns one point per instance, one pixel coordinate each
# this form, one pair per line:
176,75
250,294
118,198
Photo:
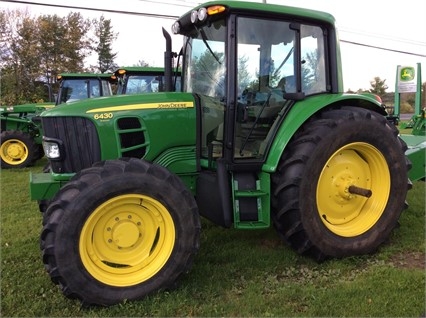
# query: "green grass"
236,273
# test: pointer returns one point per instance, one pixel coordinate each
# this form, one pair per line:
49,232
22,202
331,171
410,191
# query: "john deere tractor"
21,134
260,135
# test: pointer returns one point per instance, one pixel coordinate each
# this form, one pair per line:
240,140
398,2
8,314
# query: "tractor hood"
120,103
156,126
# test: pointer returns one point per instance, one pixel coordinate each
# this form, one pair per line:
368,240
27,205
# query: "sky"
399,27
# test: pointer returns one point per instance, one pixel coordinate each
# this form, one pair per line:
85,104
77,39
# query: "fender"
303,110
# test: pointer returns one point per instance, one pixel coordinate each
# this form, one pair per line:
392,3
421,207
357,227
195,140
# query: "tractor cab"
138,80
76,86
247,71
235,62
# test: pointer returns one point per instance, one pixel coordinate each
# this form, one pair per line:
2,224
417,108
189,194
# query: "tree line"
407,100
34,50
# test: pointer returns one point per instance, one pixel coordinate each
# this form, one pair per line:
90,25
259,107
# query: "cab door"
264,69
260,69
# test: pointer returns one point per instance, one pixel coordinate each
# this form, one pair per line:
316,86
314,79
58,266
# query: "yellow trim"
168,105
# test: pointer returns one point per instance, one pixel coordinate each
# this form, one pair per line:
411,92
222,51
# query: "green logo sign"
406,74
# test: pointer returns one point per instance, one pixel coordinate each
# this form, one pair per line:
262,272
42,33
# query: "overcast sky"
399,26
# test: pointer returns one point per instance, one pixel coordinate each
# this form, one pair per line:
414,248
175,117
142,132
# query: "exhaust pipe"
168,58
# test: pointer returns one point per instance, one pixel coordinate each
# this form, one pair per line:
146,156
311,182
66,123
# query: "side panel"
162,124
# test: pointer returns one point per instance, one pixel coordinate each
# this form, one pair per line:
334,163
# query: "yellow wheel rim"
13,152
343,212
127,240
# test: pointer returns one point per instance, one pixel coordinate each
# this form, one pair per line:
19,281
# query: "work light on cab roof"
200,15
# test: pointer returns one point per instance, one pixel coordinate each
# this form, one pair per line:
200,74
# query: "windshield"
205,55
137,84
205,75
76,89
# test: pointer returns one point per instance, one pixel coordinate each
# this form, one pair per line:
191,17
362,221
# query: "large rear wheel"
18,149
120,231
341,184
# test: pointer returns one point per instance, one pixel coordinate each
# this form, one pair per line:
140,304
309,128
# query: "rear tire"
119,231
18,149
314,210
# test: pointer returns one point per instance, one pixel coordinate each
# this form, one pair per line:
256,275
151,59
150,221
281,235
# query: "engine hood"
122,103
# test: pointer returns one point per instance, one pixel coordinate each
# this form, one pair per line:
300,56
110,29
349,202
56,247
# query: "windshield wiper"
283,62
204,37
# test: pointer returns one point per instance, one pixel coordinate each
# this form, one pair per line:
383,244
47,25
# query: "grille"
80,141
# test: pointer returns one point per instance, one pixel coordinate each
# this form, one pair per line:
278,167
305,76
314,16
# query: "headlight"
52,148
176,27
194,16
202,14
6,109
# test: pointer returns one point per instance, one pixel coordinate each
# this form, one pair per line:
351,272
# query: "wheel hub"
349,189
341,186
15,151
123,231
125,235
343,170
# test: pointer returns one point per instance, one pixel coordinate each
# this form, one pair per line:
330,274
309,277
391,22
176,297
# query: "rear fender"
303,110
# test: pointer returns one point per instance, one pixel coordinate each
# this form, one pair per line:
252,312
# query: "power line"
382,36
153,15
189,5
382,48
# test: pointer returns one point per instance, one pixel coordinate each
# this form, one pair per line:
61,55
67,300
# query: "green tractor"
20,137
261,134
21,134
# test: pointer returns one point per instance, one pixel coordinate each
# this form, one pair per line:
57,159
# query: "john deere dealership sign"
407,81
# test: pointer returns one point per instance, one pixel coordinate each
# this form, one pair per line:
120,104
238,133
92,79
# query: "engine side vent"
128,123
132,137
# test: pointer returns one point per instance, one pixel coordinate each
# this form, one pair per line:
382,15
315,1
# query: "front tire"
119,231
18,149
321,201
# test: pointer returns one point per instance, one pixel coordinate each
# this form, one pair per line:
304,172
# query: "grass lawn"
236,272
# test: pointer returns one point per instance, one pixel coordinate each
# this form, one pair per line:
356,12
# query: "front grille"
80,141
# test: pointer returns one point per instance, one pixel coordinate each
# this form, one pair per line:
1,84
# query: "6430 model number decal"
103,116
